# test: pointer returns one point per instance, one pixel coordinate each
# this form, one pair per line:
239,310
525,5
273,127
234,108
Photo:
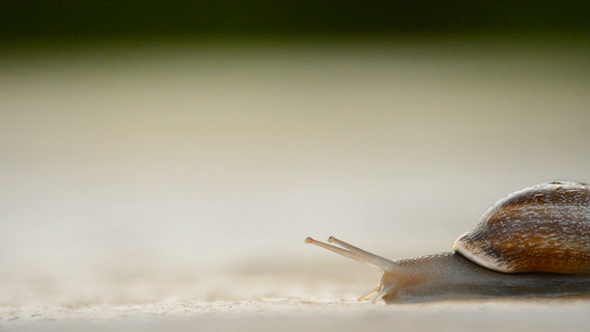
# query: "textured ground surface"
298,315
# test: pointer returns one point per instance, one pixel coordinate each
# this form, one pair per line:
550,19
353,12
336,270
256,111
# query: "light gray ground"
301,315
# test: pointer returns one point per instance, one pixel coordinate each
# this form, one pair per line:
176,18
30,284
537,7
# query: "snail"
533,243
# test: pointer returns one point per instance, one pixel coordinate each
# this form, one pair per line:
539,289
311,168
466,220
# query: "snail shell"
543,230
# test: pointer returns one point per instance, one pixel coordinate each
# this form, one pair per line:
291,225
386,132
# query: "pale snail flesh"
533,243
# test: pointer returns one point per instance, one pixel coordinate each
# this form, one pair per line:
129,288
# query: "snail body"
533,243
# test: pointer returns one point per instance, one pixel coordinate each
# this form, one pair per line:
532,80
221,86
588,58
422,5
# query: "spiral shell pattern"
543,228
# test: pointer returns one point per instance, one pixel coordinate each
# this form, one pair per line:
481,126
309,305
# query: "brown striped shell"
543,228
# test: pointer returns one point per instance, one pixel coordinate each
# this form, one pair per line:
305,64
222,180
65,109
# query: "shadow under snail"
533,243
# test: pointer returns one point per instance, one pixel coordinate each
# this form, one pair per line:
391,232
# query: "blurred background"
155,150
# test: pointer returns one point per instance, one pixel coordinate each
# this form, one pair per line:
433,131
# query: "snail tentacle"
370,294
350,251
